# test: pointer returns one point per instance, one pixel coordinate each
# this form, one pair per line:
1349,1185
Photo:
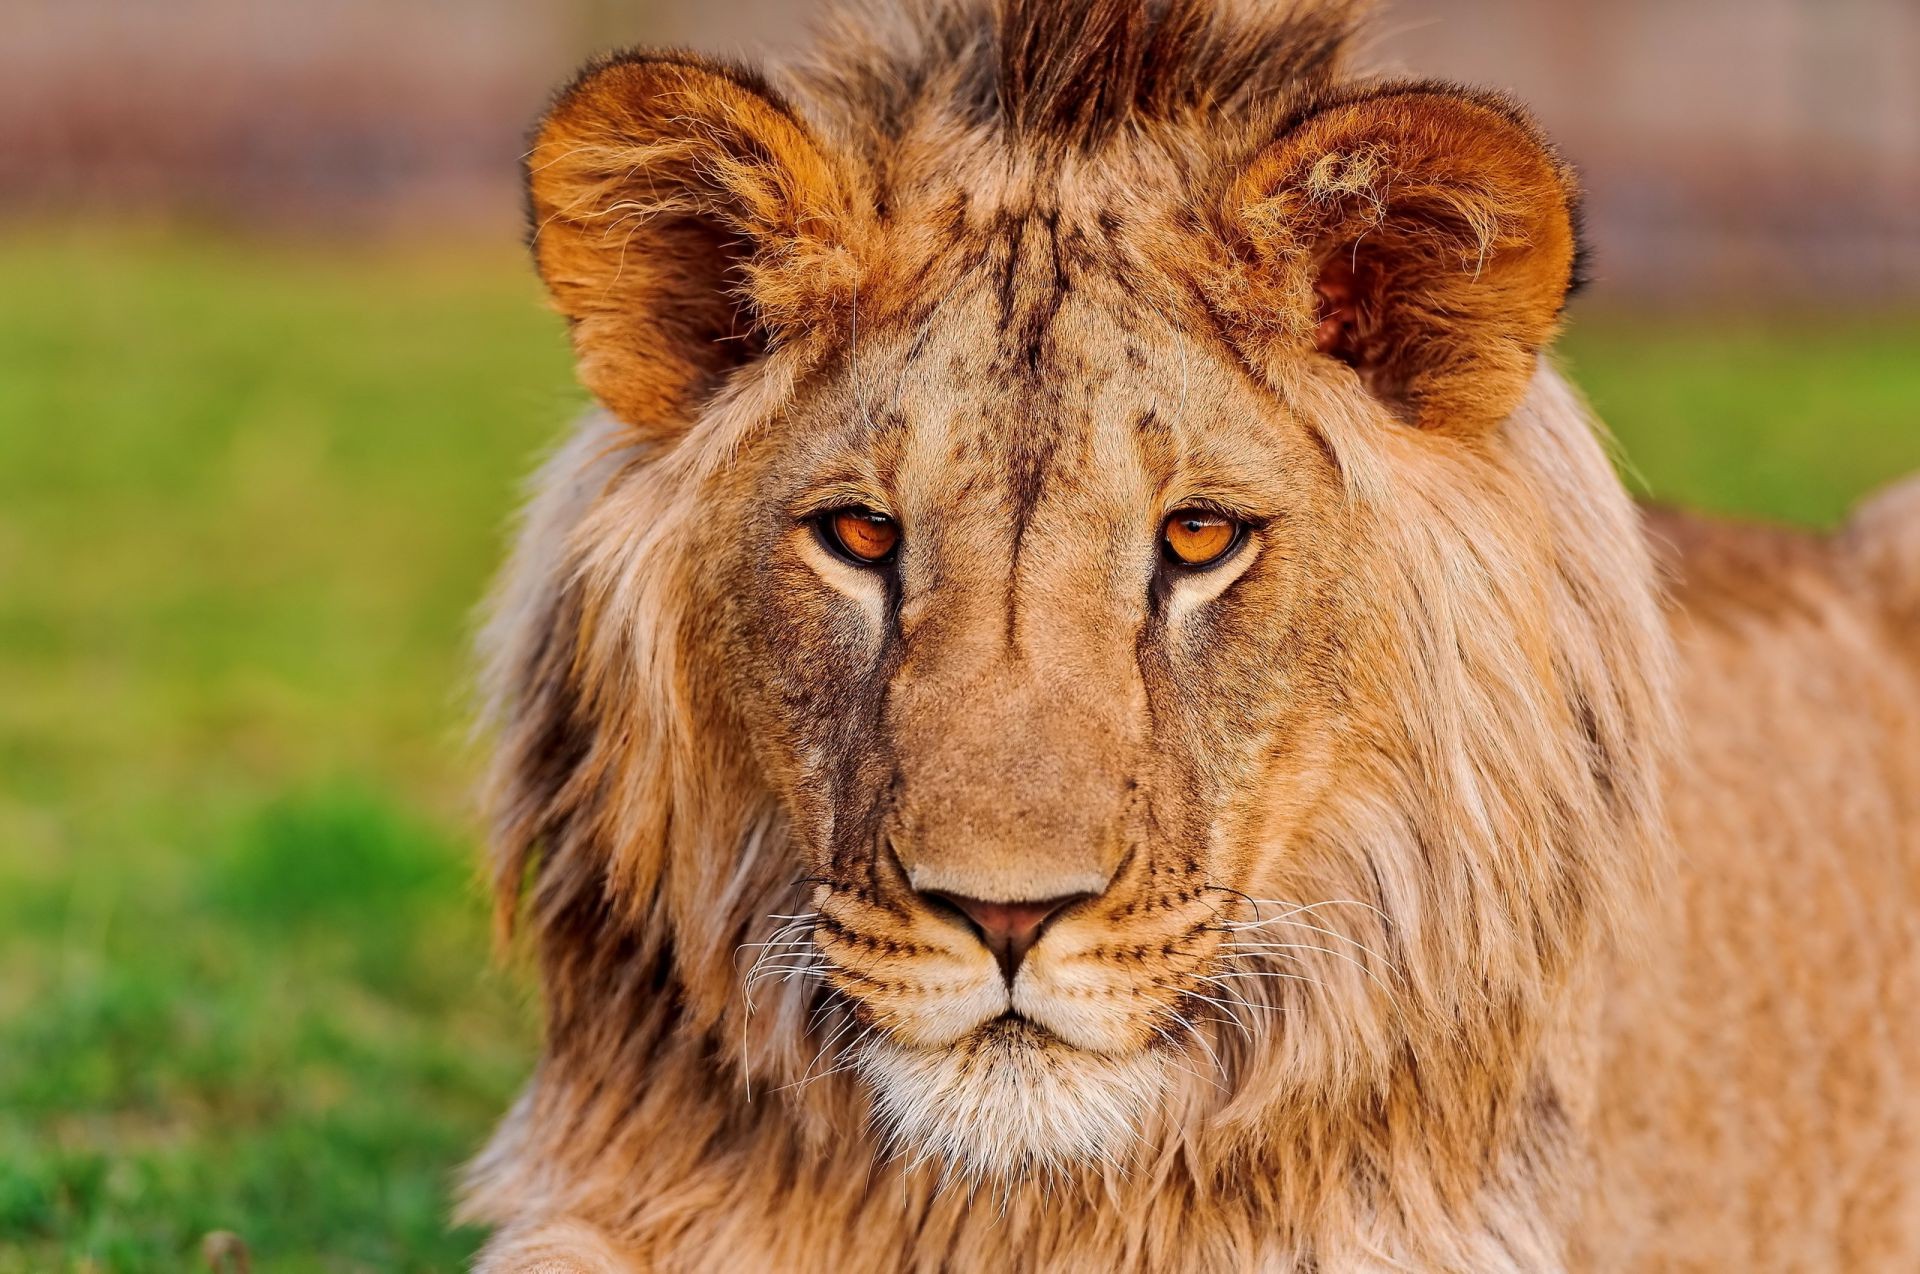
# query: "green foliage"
248,498
1793,420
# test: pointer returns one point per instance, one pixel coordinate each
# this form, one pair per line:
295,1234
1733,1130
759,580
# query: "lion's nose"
1009,929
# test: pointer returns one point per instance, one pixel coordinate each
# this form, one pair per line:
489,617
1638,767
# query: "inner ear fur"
684,218
1423,234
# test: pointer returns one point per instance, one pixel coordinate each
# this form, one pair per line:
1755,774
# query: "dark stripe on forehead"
1034,278
1033,443
1011,228
1037,325
1034,283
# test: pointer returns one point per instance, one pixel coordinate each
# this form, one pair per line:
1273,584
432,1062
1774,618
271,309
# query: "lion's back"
1768,1043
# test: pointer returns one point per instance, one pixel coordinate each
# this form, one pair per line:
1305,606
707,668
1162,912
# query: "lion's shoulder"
1883,542
1719,570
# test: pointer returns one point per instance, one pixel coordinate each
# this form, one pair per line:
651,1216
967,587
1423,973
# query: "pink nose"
1009,929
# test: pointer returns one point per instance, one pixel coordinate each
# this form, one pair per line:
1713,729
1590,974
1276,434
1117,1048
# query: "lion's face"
1032,707
1136,583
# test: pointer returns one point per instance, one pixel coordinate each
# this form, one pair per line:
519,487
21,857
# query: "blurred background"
272,365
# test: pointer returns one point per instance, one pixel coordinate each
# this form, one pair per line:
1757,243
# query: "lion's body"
1759,1106
1458,872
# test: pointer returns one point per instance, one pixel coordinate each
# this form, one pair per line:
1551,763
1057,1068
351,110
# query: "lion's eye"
1199,537
861,535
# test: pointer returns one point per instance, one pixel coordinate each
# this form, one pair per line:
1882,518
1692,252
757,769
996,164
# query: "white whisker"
1333,933
1254,950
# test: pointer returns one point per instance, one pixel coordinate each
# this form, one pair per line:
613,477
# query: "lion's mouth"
1014,1028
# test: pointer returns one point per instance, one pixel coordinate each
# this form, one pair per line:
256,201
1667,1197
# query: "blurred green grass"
248,499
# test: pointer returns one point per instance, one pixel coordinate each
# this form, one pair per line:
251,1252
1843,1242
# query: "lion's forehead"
1064,391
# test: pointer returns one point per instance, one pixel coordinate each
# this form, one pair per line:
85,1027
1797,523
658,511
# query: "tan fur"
1474,876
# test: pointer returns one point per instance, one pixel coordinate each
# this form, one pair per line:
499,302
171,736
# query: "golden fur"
1452,895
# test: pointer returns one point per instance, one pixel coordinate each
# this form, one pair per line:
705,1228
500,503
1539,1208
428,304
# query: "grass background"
248,499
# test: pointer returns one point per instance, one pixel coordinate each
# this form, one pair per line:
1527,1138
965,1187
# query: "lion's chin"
1011,1101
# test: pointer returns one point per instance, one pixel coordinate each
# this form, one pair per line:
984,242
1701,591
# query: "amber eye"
861,535
1199,537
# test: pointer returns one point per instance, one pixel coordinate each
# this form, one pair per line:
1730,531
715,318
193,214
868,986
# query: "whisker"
828,1043
1253,904
848,1060
1252,1008
1258,949
1295,908
776,967
1200,1038
785,933
1161,1031
1331,933
1228,1008
786,945
786,973
790,941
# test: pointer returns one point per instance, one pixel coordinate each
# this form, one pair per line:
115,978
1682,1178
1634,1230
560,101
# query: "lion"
1090,699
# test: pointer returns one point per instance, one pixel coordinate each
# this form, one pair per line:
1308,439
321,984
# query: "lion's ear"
684,219
1424,235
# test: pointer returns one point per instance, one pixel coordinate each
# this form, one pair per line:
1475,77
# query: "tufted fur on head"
1337,831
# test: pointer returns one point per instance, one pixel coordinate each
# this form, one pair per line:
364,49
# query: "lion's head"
1085,618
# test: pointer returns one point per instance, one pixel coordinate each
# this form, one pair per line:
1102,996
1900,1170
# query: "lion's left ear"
685,218
1421,234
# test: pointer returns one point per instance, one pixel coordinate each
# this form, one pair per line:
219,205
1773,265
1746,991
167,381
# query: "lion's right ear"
1422,234
684,220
